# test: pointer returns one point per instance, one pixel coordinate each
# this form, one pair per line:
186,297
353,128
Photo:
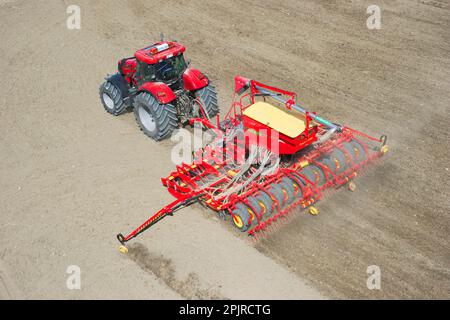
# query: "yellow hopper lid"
276,119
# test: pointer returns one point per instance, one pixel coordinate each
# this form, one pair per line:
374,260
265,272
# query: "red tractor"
163,91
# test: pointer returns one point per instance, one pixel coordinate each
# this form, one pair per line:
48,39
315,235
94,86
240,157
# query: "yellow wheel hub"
313,210
252,215
123,249
351,186
264,209
238,221
286,195
296,188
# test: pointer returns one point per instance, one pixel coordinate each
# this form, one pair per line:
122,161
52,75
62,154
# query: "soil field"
72,176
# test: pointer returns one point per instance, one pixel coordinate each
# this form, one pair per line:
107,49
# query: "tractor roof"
159,51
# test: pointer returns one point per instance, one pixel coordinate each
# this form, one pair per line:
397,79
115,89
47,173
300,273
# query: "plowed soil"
72,176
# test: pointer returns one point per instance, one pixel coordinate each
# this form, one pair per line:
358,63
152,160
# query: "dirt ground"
72,176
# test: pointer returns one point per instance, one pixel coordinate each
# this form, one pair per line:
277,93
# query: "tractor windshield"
170,69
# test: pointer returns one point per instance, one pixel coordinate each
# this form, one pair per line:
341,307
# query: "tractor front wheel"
156,120
111,98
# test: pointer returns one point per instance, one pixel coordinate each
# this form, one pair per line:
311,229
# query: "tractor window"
145,72
170,69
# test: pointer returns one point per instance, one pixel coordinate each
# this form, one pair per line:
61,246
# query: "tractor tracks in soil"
164,269
7,287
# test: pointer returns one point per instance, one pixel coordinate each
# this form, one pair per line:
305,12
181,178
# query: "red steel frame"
185,183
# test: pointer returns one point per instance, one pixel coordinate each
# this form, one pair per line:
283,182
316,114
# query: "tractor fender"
119,81
193,79
159,90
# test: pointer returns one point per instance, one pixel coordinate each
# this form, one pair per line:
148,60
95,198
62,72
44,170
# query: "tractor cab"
162,62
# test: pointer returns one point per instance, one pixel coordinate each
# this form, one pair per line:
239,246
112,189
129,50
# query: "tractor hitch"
166,211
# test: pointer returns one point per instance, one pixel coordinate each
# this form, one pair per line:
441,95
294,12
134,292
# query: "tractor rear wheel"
208,99
111,98
156,120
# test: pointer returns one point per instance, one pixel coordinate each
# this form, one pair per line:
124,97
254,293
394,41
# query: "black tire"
242,218
299,182
265,202
356,150
156,120
330,161
314,174
208,99
277,194
111,98
259,206
288,185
